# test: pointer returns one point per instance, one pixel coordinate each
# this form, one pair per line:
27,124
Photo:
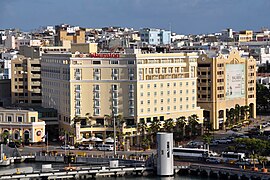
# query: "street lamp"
114,136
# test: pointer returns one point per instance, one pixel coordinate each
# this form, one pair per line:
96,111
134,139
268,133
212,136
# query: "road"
26,150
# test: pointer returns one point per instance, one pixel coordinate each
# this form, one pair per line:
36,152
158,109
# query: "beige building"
136,86
21,125
64,38
225,80
244,36
26,82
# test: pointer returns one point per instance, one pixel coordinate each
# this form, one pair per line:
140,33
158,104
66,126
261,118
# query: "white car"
67,147
213,160
86,147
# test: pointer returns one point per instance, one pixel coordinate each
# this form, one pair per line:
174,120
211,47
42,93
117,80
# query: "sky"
181,16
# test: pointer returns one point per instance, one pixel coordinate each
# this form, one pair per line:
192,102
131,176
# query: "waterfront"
37,166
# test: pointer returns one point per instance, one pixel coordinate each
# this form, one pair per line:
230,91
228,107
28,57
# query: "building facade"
139,87
155,36
26,82
224,82
21,125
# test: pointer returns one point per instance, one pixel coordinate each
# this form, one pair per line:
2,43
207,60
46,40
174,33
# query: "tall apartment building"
224,80
155,36
26,82
136,86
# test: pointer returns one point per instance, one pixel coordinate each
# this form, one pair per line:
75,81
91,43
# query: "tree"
193,124
263,160
237,112
142,128
168,125
179,128
153,129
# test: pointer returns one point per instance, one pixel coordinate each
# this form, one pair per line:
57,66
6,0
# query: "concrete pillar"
165,155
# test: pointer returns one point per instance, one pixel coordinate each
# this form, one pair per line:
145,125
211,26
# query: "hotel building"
136,86
225,80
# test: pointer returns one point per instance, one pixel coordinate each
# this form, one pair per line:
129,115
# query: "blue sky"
184,16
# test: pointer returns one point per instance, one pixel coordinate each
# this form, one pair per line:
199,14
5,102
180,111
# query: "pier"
220,171
83,173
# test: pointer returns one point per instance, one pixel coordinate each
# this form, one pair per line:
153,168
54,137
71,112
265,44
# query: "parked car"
213,160
67,147
223,141
105,147
85,147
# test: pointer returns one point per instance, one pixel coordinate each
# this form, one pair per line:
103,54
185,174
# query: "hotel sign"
105,55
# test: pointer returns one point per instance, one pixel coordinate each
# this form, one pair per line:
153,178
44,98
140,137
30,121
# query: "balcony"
36,90
35,75
35,68
36,83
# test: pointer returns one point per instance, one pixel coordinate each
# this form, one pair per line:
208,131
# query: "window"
114,62
155,101
174,100
168,108
161,108
168,92
168,84
141,110
180,107
155,93
33,119
148,102
180,84
180,99
141,102
187,91
186,106
168,100
148,94
141,94
174,91
148,85
141,86
186,83
148,110
161,93
155,85
161,101
20,118
181,91
9,118
114,87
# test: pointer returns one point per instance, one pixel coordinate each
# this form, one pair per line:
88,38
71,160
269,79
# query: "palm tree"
142,128
89,119
168,125
230,116
193,123
237,112
108,119
180,127
263,160
154,128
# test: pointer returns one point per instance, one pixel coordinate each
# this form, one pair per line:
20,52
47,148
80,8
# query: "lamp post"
114,136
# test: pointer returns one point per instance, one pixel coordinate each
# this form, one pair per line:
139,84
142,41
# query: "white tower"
165,154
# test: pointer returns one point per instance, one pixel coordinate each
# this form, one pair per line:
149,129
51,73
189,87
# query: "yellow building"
136,86
244,36
225,80
21,125
64,38
26,82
